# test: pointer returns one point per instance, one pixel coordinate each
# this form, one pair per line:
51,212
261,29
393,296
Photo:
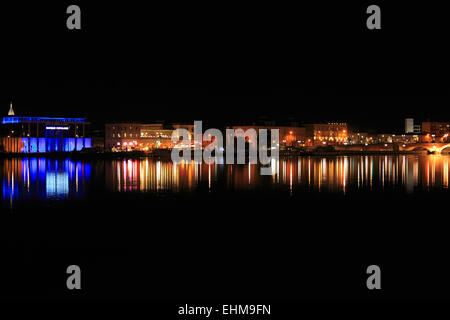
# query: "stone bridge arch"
429,147
445,149
420,149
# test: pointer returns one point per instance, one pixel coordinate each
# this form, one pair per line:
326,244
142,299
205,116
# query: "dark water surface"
51,179
143,228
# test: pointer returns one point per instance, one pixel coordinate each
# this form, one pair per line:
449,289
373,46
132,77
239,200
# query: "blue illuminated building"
43,134
6,120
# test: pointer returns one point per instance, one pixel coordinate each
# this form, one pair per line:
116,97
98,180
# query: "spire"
11,110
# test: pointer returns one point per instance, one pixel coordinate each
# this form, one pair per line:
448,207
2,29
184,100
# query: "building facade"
142,136
331,133
395,138
358,138
438,129
411,127
288,136
43,134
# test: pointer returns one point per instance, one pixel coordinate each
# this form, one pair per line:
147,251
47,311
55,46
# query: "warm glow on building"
142,137
289,136
327,133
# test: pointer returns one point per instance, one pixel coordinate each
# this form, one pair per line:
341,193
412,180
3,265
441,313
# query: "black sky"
227,62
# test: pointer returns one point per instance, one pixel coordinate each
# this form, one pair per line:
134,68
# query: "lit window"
125,134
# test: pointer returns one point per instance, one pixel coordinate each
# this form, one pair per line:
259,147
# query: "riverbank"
166,154
348,153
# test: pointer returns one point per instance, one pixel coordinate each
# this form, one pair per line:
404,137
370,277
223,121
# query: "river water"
308,229
46,179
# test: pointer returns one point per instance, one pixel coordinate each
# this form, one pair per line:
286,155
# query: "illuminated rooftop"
6,120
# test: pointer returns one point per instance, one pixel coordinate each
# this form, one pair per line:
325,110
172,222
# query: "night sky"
226,63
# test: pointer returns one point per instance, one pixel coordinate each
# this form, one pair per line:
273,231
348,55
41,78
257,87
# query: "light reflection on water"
332,174
43,179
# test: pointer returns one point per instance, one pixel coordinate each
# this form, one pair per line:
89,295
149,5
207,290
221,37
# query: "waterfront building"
395,138
42,134
405,138
290,136
127,136
409,125
438,129
417,128
331,133
358,138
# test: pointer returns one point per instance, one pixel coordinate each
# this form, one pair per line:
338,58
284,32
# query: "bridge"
433,147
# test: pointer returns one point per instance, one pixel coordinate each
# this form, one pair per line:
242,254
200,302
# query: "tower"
409,125
11,110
